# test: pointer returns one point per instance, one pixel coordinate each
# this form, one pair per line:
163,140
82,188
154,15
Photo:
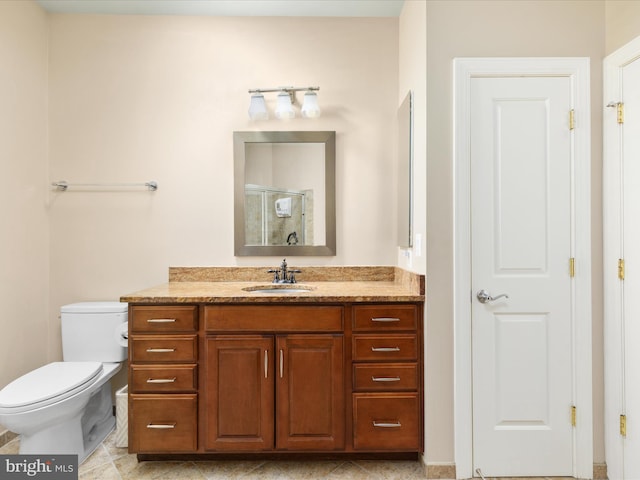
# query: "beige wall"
623,23
412,67
137,98
24,242
478,28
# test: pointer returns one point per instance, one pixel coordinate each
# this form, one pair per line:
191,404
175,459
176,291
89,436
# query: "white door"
622,242
522,352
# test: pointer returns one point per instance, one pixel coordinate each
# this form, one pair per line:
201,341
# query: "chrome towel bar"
63,186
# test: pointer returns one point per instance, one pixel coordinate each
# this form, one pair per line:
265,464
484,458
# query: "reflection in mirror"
284,193
405,172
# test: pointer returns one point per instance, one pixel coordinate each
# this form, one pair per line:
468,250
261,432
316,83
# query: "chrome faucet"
283,275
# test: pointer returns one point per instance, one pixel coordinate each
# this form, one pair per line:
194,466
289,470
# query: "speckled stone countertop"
324,284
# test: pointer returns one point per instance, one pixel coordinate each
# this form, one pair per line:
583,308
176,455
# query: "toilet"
66,407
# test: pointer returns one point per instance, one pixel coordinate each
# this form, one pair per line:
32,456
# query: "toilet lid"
48,384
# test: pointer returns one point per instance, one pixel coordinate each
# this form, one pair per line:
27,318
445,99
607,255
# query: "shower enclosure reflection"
277,216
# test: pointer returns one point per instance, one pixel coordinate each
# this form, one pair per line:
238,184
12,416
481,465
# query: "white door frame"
577,69
612,240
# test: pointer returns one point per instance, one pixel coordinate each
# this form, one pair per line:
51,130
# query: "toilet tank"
91,331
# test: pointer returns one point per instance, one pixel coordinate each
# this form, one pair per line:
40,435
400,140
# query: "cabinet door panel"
385,317
386,421
163,423
163,348
391,347
310,392
385,377
164,319
239,393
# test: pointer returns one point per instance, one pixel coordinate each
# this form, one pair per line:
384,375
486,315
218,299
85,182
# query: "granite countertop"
325,284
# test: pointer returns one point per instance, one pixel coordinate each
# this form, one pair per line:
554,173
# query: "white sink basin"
277,289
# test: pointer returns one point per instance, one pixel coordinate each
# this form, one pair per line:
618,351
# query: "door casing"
577,69
616,446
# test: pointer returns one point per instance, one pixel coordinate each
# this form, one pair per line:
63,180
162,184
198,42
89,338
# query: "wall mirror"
284,193
405,172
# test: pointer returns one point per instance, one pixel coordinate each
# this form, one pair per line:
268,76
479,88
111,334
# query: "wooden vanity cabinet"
275,378
163,399
387,401
273,388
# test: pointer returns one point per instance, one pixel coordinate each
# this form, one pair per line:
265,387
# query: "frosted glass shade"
310,107
284,109
258,107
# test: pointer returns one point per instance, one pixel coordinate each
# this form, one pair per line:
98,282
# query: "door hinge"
620,110
572,119
621,268
573,416
623,425
572,267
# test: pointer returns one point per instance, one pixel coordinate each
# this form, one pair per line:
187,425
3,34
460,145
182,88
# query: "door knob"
485,297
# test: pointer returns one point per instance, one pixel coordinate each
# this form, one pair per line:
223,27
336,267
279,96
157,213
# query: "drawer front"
164,349
163,423
385,317
385,347
385,377
274,318
152,379
164,319
386,422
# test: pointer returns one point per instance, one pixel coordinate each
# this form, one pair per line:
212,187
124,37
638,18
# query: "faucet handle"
276,274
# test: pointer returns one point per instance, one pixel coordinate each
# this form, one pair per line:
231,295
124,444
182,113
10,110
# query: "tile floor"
109,462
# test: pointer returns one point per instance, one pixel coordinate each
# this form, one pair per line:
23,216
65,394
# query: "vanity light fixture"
285,102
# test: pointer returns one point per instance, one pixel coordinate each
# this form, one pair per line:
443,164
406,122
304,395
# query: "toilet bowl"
66,407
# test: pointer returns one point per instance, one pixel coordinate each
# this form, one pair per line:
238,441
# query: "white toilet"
66,407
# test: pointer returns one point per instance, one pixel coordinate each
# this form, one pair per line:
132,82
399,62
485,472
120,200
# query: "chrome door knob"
485,297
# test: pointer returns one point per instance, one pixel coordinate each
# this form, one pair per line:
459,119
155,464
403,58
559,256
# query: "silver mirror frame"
239,141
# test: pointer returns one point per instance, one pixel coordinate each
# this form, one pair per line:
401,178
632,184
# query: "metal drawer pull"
160,350
161,380
266,364
385,319
385,349
161,320
386,424
385,379
281,363
161,426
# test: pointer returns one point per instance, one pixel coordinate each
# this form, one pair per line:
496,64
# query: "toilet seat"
48,384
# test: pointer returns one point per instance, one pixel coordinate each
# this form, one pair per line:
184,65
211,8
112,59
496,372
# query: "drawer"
392,347
163,349
163,423
163,319
158,379
273,318
385,317
385,377
386,421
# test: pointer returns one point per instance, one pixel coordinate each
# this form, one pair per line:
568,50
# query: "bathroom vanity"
221,364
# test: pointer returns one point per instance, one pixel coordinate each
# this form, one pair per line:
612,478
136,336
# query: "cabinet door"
239,393
310,407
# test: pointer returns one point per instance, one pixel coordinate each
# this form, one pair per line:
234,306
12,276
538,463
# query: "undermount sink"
277,289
